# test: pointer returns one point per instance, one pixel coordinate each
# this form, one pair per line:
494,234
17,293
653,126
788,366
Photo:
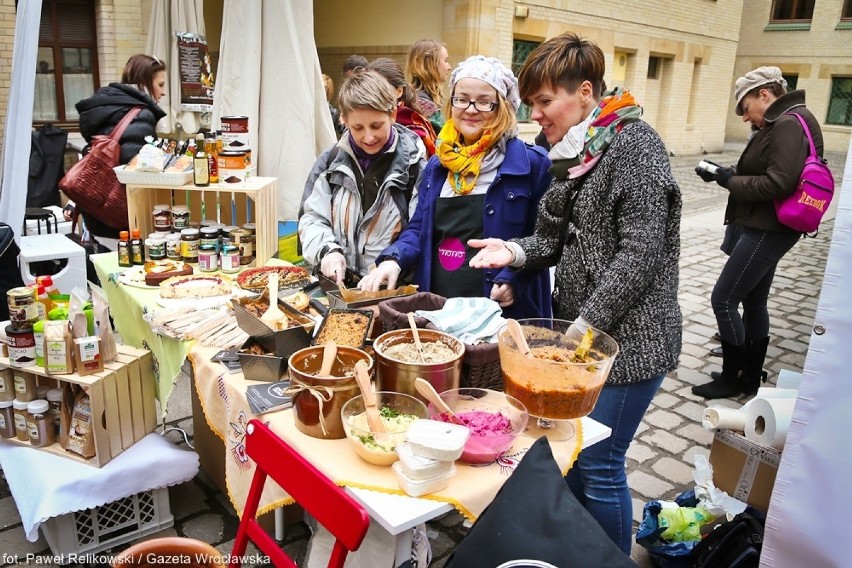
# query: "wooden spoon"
426,389
273,314
374,420
416,334
329,352
518,335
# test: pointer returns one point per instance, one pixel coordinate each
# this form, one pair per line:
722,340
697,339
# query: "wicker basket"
481,363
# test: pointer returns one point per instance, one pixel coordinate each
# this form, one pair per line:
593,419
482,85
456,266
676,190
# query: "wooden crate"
255,201
122,398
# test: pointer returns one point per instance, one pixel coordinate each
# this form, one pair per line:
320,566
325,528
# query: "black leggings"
746,279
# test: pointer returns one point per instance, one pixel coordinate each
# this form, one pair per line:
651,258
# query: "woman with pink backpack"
755,240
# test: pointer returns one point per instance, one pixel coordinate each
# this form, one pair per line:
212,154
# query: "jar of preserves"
230,259
180,217
208,258
189,240
156,247
162,218
210,237
173,246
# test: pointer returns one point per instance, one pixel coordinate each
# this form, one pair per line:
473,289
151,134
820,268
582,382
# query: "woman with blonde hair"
427,71
482,182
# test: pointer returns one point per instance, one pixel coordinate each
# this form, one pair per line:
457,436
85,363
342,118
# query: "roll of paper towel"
772,392
723,417
768,419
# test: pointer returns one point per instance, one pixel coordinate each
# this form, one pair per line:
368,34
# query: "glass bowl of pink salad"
494,418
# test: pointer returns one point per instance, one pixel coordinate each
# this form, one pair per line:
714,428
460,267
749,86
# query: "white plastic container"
420,468
415,487
437,440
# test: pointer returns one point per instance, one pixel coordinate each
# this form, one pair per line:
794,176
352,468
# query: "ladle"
329,353
518,335
374,419
426,389
273,313
416,335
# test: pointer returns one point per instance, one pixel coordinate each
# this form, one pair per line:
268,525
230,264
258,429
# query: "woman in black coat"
143,83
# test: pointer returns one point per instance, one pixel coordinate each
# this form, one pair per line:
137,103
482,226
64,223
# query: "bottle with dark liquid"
137,248
124,258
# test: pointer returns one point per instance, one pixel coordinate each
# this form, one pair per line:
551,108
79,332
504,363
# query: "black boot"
729,383
753,358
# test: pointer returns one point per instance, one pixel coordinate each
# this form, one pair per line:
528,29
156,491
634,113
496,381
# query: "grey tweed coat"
617,258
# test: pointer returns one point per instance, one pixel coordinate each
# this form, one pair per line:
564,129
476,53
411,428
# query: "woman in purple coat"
482,182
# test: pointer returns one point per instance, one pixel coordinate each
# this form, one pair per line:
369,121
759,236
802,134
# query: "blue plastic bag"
664,553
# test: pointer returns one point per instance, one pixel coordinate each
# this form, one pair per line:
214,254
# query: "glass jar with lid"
189,240
162,218
180,217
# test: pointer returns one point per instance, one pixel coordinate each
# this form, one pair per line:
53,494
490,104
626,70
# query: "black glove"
723,176
705,175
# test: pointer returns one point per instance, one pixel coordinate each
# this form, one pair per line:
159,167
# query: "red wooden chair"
329,504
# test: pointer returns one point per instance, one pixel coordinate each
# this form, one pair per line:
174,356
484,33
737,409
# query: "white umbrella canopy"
269,71
167,18
14,169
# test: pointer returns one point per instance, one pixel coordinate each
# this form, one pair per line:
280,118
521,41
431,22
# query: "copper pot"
318,400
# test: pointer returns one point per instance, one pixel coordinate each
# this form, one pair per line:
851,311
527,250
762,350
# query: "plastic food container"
419,468
437,440
415,487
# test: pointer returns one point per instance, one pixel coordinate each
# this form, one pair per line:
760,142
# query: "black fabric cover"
536,517
47,154
10,274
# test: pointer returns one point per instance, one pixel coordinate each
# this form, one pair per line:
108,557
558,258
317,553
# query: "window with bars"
520,51
67,67
840,102
792,10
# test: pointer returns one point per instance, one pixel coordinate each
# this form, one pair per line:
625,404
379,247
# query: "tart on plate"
256,279
156,271
196,286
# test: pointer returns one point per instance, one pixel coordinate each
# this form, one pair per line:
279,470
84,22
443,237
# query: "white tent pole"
19,117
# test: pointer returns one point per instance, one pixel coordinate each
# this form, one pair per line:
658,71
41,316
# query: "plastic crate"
94,530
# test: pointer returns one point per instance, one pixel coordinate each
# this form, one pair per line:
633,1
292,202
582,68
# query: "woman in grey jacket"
360,201
610,222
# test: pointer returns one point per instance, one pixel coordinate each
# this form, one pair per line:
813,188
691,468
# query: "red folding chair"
329,504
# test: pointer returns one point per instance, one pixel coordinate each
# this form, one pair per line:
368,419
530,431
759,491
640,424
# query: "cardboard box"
743,469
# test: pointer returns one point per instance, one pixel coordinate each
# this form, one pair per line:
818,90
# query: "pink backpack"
803,210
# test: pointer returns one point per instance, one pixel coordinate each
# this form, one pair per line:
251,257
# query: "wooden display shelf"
122,399
255,200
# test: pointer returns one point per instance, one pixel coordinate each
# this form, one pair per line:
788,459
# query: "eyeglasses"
481,106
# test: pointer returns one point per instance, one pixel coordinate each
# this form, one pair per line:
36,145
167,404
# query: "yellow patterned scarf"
464,162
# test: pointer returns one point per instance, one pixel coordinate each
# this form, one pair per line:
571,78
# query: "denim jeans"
599,479
746,279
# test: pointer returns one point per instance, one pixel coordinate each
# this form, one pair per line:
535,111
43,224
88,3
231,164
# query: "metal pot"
398,376
318,400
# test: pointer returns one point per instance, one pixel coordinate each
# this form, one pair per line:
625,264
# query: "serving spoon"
518,335
426,389
273,313
416,334
374,419
329,353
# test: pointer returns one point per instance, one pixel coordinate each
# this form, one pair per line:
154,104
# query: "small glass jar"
19,408
156,248
7,419
250,227
40,424
208,258
7,385
54,399
173,246
25,386
210,237
162,218
180,217
189,240
245,241
226,233
21,345
230,259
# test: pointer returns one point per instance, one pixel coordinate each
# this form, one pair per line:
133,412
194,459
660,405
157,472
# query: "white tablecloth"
45,485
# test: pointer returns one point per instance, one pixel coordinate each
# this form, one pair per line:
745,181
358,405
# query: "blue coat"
510,211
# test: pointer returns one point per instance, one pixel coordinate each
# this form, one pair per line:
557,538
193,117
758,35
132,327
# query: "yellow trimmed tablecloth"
127,304
223,398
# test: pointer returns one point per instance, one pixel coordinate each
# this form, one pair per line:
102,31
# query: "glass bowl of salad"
397,412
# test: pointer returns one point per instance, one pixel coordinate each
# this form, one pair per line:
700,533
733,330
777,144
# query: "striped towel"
472,320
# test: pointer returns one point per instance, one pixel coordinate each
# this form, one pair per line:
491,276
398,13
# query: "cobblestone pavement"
660,460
